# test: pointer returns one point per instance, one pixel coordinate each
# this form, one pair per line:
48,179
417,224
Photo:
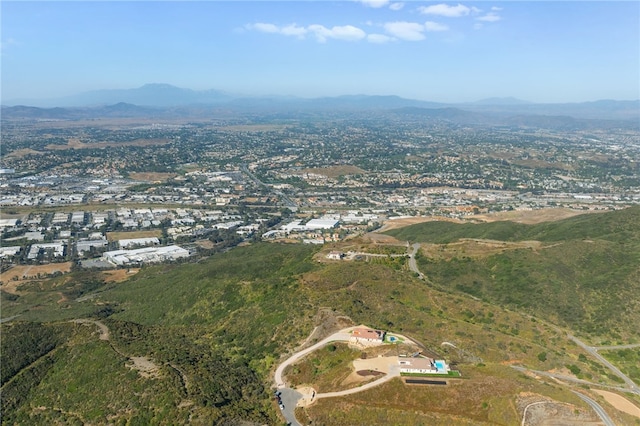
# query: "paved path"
594,352
413,265
394,371
597,408
290,397
341,336
571,379
613,348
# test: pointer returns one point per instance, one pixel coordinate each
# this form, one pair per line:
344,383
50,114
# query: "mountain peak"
502,101
159,86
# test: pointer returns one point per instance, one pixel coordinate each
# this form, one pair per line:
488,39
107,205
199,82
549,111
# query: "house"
423,366
367,336
335,255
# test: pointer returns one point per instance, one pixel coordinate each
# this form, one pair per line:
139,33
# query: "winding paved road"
341,336
597,408
290,397
594,352
570,379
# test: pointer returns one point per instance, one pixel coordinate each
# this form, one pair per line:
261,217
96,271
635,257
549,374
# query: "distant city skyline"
451,52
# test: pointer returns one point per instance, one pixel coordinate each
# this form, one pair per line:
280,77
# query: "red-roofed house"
367,336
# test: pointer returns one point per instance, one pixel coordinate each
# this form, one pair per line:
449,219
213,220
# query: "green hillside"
584,274
199,342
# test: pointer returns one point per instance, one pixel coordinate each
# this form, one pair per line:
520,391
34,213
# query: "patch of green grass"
627,360
324,369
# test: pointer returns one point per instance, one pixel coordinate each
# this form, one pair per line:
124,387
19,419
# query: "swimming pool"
439,365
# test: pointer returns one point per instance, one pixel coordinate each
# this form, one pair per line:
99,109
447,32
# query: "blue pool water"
439,365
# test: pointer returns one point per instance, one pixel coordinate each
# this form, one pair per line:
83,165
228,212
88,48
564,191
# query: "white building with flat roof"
145,255
123,244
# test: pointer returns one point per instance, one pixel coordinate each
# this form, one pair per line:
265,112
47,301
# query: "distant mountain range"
165,100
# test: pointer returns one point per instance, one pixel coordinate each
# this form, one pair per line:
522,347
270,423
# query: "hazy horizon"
450,52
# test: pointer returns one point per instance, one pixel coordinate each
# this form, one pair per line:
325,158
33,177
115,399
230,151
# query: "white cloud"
346,32
489,17
374,3
263,28
496,8
8,43
293,30
434,26
396,6
379,38
446,10
410,31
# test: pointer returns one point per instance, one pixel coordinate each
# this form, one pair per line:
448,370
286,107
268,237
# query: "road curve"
597,408
394,371
570,379
603,360
341,336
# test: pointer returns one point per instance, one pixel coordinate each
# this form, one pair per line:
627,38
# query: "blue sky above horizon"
462,51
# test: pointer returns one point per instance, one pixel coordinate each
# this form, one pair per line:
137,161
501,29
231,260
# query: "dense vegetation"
586,274
215,330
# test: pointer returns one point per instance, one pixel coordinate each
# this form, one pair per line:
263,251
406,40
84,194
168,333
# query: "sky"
542,51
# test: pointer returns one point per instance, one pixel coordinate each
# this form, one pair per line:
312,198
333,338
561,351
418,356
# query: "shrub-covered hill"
206,338
584,274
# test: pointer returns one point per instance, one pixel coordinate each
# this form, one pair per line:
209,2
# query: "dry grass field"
18,274
125,235
74,143
531,217
119,275
152,176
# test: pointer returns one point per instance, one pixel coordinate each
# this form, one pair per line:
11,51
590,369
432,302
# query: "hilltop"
581,272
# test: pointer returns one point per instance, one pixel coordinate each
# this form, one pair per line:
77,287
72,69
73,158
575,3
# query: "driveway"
292,398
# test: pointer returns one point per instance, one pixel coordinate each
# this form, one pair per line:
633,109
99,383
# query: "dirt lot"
146,367
125,235
152,176
543,411
18,274
119,275
619,402
19,153
406,221
77,144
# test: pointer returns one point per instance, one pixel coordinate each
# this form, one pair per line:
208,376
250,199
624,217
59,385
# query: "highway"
288,202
